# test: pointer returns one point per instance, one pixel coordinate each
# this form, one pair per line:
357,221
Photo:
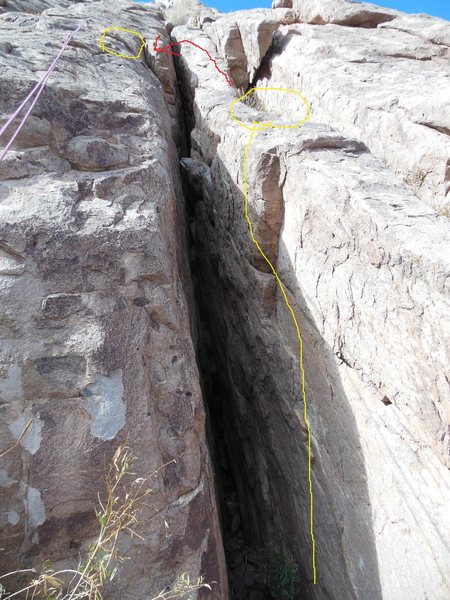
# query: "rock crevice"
135,313
361,256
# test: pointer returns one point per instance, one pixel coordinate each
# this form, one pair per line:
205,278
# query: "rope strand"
39,87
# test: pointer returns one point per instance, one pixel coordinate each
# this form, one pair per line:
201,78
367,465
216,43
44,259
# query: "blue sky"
438,8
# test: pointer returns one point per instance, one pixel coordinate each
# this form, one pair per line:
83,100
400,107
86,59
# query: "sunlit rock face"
130,302
97,347
352,210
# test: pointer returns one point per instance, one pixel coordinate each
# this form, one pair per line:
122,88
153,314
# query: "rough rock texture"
244,42
388,86
343,12
190,12
343,212
98,318
97,337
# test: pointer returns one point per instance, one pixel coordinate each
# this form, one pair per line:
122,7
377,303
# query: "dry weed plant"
256,102
180,11
116,515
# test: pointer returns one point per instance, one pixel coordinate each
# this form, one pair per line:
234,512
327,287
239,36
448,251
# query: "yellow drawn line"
113,28
262,127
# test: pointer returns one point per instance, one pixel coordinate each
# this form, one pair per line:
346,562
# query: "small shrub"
182,587
254,101
118,513
281,575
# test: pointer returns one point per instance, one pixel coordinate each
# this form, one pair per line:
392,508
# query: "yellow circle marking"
105,49
253,129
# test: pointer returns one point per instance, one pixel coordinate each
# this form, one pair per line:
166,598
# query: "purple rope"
39,88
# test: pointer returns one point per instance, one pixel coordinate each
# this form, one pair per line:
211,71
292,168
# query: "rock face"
377,83
389,84
345,208
96,323
179,12
343,12
103,329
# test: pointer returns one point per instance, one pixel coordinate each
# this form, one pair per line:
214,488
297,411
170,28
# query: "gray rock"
346,219
95,302
98,322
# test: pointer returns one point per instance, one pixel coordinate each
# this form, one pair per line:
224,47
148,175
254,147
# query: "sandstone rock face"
385,83
345,208
101,325
244,42
343,12
96,323
190,12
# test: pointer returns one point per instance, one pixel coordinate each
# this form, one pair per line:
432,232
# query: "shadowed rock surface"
132,307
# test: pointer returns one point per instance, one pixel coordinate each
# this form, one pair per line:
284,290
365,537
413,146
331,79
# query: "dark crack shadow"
255,408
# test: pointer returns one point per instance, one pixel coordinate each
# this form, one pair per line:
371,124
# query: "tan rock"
365,263
243,39
97,348
101,328
375,87
343,12
282,4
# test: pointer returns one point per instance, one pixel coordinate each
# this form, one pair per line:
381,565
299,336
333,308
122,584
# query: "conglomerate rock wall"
97,333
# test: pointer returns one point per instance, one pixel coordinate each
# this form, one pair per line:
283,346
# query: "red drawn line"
167,50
